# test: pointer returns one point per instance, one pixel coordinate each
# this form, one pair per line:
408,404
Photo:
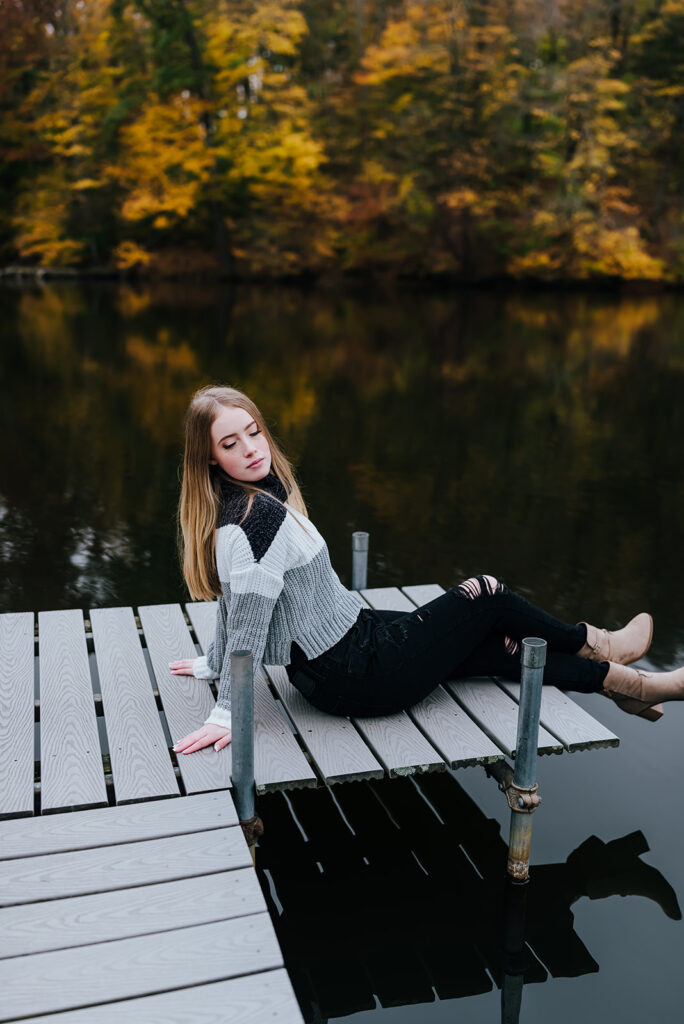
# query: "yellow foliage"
40,223
165,162
129,254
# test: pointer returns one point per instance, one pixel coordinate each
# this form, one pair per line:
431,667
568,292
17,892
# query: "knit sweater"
277,586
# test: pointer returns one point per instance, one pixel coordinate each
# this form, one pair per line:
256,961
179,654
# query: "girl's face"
238,446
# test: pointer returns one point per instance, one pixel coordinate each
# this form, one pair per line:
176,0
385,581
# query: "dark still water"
538,437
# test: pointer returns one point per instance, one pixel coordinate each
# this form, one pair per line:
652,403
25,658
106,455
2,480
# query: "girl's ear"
213,462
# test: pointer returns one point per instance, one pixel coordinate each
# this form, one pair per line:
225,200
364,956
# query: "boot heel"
654,713
636,707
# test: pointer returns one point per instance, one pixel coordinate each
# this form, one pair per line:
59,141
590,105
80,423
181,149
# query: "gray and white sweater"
277,585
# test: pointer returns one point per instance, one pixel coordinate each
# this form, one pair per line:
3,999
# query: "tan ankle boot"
622,646
639,692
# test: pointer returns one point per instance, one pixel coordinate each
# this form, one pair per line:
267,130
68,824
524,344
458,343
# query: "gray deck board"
16,723
266,998
107,826
335,746
399,745
71,772
278,759
105,868
121,914
497,714
86,975
187,701
141,765
202,615
559,715
453,732
279,762
389,599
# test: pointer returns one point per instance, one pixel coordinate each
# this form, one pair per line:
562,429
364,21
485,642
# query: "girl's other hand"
183,667
203,737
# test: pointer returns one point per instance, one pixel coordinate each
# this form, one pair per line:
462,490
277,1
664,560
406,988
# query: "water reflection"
538,436
396,890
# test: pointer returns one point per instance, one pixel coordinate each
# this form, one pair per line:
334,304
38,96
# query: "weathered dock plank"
497,714
453,732
266,998
389,599
108,826
141,910
202,615
71,771
16,723
105,868
141,765
279,762
399,745
187,701
335,746
278,759
559,715
88,975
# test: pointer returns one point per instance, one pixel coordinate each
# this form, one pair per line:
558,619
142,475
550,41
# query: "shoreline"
373,279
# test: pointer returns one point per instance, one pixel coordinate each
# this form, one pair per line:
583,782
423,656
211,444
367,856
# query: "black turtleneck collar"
265,517
270,483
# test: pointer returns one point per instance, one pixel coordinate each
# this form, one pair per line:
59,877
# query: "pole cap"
359,541
534,652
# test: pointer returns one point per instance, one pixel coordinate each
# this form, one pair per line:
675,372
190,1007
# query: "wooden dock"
142,903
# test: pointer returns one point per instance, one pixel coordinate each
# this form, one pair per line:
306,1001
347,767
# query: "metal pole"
359,560
242,774
515,957
524,777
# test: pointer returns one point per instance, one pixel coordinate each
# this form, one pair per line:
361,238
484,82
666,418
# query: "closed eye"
253,433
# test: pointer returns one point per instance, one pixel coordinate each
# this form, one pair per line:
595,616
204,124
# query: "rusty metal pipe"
524,777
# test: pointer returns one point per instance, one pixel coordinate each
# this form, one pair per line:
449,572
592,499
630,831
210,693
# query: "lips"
253,465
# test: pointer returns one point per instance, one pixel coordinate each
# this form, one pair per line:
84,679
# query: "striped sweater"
277,585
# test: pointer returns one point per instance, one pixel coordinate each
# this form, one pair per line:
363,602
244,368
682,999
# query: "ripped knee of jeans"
476,586
512,646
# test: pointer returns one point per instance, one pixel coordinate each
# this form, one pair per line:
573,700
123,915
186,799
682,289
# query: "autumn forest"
466,139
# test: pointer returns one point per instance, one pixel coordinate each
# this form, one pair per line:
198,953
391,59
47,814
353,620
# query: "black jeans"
388,660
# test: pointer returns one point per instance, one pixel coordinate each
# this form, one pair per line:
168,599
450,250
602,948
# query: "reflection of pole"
359,561
514,953
524,778
242,683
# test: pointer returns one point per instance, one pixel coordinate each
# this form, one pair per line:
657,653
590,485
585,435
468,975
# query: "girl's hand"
203,737
182,668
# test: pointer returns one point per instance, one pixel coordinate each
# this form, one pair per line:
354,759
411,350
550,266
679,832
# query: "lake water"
535,436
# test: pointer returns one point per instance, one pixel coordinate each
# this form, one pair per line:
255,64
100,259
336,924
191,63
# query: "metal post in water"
515,956
359,560
524,785
242,750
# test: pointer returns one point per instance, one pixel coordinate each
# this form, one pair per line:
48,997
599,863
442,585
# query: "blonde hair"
200,496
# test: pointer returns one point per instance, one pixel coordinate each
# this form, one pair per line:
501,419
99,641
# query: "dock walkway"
139,906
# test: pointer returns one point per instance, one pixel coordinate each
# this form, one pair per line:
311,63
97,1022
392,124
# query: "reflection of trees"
393,888
531,435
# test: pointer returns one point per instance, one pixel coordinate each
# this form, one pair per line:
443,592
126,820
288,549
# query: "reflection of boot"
623,646
599,869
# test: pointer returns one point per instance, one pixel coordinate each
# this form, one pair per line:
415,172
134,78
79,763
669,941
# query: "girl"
247,540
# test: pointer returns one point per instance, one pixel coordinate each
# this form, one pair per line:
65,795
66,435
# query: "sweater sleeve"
216,649
254,591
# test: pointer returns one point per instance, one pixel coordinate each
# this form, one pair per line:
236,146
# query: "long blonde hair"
200,497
